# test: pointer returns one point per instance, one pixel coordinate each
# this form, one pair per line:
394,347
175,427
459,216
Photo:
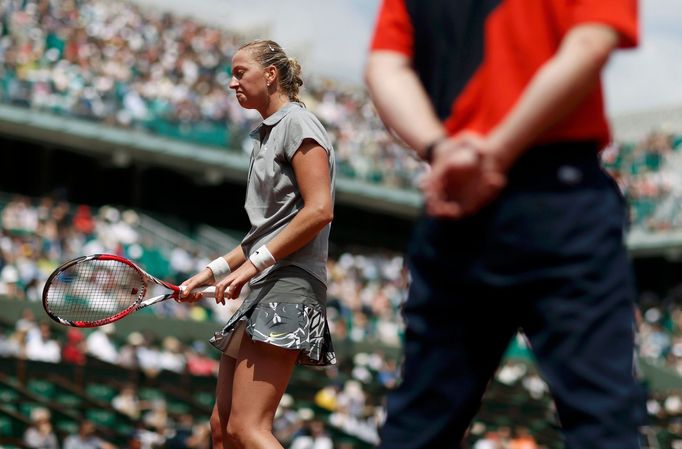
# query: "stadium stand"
117,64
648,173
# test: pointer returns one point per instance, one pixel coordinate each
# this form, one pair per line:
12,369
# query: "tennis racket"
99,289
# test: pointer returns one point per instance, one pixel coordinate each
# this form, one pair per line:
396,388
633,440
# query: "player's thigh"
261,375
224,387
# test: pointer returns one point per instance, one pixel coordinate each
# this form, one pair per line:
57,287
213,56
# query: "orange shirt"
476,57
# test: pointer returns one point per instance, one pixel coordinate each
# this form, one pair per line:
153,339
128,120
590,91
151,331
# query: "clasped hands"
466,174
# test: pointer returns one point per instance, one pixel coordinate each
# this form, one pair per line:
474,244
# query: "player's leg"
261,376
221,410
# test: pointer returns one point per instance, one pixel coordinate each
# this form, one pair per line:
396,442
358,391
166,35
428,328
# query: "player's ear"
270,75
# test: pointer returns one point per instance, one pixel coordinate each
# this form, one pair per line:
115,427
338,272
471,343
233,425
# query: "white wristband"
219,267
262,258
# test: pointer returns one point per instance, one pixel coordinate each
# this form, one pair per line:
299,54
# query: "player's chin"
244,101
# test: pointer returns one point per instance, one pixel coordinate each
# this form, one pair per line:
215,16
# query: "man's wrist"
503,152
428,151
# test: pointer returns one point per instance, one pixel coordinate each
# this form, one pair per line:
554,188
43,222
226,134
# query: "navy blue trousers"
548,257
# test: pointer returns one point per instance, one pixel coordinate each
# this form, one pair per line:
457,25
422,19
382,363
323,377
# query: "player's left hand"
231,286
464,177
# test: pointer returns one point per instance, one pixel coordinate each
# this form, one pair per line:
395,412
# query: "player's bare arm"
311,168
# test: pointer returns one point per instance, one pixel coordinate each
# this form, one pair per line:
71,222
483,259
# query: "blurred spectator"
148,356
134,442
145,437
9,282
522,440
86,438
156,418
312,436
127,402
287,420
17,342
100,345
27,322
198,364
491,440
200,438
326,398
351,399
128,356
83,221
184,430
171,357
39,435
389,373
8,346
74,349
188,435
41,347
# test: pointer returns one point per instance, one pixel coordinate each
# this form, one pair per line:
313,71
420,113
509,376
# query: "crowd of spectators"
33,339
506,437
349,399
649,173
660,329
342,402
115,63
157,425
365,289
122,65
180,433
365,292
37,236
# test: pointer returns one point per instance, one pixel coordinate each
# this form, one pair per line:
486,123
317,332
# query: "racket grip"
209,292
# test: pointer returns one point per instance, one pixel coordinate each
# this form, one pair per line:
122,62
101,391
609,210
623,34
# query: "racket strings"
93,290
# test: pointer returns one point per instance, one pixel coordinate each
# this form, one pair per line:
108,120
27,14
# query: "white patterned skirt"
286,309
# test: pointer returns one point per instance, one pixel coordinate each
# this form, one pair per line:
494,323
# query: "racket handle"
209,292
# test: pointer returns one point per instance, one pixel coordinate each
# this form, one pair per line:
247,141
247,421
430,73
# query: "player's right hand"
202,278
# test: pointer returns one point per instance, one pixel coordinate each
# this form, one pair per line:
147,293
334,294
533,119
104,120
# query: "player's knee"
214,420
235,433
241,433
219,435
221,439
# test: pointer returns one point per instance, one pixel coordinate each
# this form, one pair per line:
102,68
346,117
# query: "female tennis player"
289,201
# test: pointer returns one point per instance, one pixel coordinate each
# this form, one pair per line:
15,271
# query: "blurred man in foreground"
524,229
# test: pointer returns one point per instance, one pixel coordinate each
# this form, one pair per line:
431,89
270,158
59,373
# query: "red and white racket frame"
138,304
